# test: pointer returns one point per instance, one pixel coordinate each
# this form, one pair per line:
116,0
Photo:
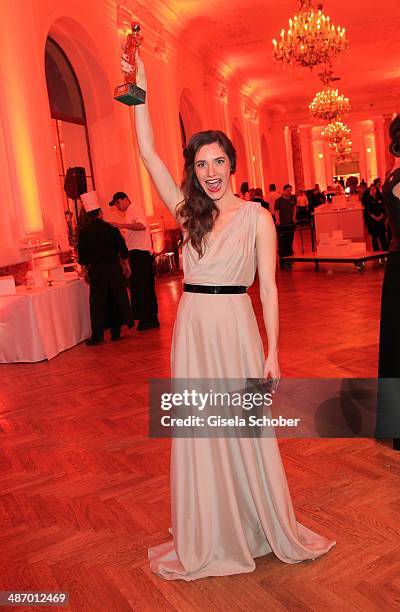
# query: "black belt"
214,288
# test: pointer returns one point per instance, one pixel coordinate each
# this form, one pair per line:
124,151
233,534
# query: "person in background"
271,196
258,197
70,226
361,190
352,184
378,185
379,196
244,188
302,207
375,218
103,256
339,188
315,198
285,213
138,239
329,193
388,415
249,195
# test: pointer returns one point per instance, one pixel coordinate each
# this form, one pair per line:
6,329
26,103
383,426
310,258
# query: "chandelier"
328,104
342,149
335,131
310,39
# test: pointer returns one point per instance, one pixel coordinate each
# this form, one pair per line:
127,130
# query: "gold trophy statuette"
129,93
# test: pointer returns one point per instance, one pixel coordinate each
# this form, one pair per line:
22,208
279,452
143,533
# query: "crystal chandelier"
310,39
342,149
328,104
335,131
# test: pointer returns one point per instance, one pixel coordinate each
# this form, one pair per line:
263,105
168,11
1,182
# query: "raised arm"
266,262
169,191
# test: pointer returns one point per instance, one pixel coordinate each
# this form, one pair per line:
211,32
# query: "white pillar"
29,163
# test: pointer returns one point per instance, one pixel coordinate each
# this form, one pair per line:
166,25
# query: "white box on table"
37,277
324,238
333,250
57,273
7,285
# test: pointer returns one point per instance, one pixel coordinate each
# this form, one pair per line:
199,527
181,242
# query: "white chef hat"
90,201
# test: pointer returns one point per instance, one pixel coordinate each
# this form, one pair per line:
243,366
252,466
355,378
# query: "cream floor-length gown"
229,496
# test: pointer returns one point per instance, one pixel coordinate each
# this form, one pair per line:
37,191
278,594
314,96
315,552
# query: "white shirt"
140,240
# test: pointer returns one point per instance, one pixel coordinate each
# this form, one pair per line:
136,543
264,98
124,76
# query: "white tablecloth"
39,324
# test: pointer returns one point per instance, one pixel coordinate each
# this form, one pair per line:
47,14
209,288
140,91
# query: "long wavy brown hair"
198,212
394,133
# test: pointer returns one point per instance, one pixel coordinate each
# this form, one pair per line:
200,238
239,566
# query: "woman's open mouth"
214,185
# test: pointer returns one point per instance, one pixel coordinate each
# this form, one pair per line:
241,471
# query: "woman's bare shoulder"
265,221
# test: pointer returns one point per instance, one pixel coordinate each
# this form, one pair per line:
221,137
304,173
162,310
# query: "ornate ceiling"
236,36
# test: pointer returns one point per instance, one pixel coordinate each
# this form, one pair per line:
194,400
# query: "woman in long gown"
388,417
229,496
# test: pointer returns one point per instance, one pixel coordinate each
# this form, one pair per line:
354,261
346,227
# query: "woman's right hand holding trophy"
138,68
132,91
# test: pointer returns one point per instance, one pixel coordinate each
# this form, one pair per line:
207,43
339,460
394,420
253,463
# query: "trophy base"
130,94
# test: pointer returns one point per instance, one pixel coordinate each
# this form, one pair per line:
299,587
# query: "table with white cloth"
41,323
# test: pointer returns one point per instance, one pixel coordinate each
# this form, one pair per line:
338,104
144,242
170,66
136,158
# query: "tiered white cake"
334,245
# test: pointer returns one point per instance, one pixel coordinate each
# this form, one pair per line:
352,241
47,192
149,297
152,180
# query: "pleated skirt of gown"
229,496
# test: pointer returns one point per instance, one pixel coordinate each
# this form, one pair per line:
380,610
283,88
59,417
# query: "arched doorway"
70,134
190,121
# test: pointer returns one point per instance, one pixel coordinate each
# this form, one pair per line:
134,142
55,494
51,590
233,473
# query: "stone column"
297,158
307,156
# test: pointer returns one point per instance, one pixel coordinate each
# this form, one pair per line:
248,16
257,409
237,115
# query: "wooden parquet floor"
84,492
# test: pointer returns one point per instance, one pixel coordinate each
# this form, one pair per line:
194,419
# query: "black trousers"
388,414
285,239
378,237
113,319
302,213
143,293
105,279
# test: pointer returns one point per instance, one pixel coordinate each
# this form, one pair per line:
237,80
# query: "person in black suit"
285,214
103,256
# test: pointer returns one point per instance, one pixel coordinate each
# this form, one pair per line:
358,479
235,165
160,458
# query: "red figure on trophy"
129,93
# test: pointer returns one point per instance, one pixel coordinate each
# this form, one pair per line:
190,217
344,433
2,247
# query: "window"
70,135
